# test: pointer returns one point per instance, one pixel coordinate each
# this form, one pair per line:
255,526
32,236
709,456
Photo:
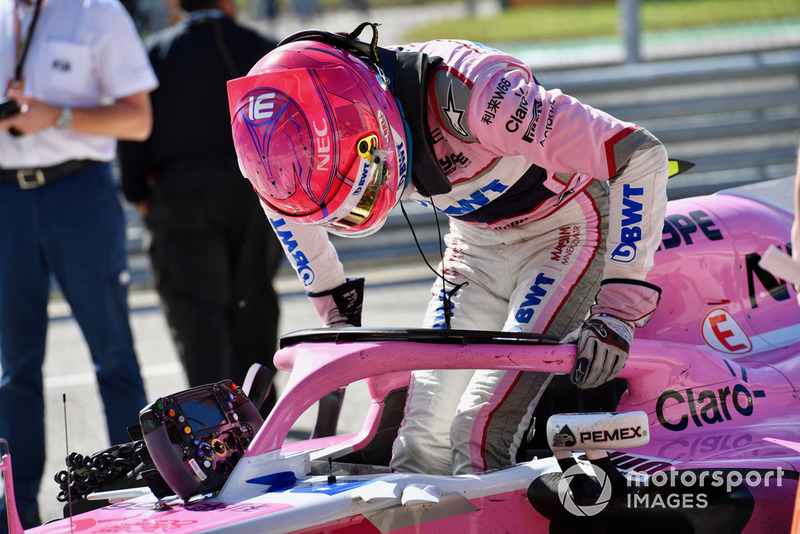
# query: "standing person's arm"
105,94
134,169
128,117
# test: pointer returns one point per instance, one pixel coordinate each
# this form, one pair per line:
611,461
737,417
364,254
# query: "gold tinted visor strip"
376,177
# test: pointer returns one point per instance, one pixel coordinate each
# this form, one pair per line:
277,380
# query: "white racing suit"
556,210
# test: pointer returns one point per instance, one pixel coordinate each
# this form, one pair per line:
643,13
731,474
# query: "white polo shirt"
84,53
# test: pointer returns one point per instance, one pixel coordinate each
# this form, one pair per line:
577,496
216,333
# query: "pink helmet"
320,137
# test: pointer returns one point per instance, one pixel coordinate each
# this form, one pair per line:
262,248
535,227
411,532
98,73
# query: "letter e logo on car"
721,332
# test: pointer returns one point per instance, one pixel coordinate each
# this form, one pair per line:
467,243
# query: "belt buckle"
30,178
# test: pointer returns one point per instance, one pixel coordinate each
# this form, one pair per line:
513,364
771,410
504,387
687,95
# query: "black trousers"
214,257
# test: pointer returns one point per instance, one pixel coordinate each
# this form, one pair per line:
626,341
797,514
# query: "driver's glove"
340,306
603,345
604,339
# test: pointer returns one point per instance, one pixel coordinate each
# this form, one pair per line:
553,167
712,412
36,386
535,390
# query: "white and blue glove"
603,345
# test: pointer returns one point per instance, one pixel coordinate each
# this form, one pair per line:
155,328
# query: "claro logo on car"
705,406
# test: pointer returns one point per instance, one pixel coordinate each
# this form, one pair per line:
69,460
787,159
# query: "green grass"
558,21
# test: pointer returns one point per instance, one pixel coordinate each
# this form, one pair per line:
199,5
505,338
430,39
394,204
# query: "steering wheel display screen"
203,413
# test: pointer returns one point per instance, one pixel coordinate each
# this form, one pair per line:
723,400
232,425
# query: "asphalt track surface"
396,294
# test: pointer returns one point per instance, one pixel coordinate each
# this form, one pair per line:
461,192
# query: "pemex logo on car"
564,437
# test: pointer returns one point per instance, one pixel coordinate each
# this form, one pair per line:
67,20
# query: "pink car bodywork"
716,371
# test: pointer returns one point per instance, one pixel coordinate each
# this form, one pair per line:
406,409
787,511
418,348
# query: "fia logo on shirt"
61,65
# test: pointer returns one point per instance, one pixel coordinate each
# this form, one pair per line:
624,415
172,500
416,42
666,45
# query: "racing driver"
555,212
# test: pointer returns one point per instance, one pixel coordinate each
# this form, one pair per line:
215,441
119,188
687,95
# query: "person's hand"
35,115
143,206
603,345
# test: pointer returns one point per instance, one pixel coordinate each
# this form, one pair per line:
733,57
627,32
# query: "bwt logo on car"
631,232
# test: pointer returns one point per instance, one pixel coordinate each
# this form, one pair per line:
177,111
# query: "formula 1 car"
705,437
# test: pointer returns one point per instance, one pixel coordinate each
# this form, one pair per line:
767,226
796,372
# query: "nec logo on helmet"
322,142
